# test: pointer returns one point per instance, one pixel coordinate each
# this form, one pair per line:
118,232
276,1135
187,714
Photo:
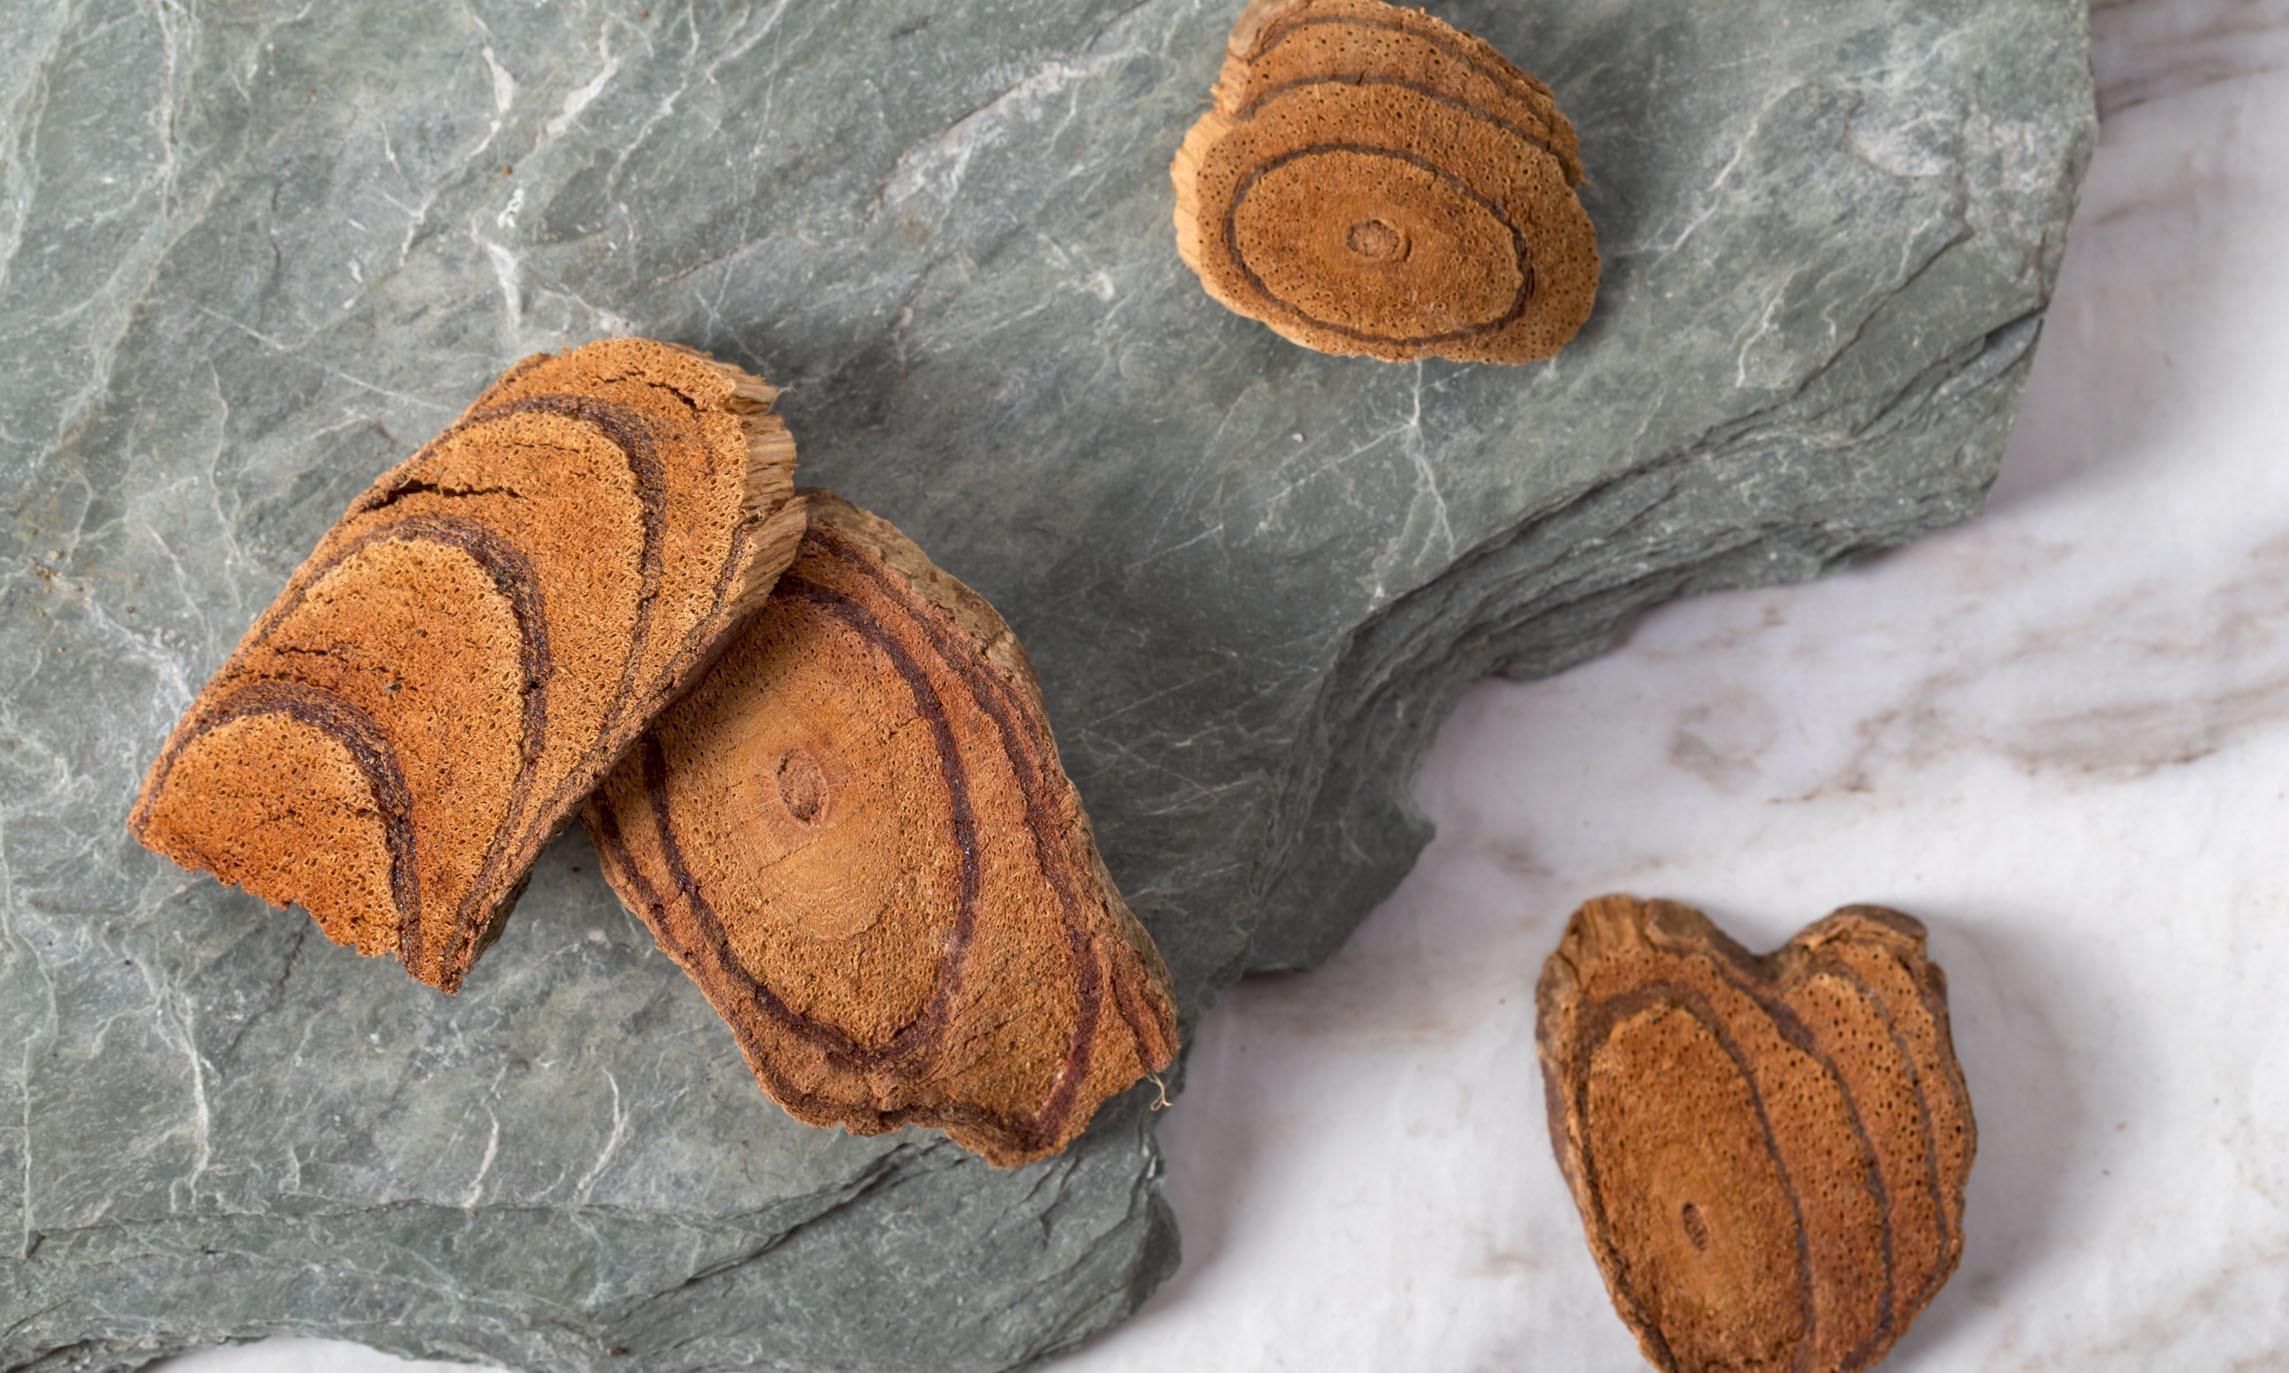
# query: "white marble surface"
2060,735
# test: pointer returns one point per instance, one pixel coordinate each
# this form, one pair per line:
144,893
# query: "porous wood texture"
474,643
855,835
1374,181
1769,1153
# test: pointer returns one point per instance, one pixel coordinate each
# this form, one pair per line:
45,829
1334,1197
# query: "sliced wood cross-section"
475,642
1374,181
855,835
1769,1154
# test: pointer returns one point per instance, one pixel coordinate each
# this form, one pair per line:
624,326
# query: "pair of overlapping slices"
1374,181
853,831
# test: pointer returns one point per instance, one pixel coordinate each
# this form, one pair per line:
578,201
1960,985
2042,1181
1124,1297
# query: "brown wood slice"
1769,1154
1375,182
475,642
855,835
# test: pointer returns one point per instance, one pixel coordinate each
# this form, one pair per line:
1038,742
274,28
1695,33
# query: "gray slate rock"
250,254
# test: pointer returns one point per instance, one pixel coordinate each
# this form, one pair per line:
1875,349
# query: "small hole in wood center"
1696,1229
802,787
1375,241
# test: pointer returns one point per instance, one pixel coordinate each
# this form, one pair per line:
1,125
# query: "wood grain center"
1376,241
802,786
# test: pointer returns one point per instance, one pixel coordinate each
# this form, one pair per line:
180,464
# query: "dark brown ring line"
370,752
1538,141
1598,1027
1501,71
512,576
994,694
626,431
704,635
704,640
930,1023
1743,973
1524,256
1083,941
1837,967
925,1031
612,848
1792,1028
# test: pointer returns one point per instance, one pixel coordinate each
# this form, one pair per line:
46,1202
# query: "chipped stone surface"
250,255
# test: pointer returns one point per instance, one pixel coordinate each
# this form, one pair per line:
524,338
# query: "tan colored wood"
475,642
1373,181
1280,44
1769,1154
855,835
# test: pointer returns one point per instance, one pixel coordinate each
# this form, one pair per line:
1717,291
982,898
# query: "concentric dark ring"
1524,256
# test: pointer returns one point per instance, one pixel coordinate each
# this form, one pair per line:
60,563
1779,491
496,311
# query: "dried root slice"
1769,1154
1374,181
854,834
475,642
